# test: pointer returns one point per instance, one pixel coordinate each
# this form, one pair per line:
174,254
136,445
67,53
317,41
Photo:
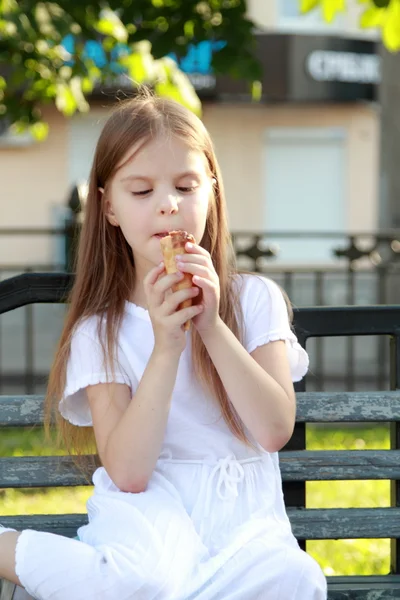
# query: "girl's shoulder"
92,326
267,318
87,325
256,289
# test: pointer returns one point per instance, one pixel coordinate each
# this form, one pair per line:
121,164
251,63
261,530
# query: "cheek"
201,206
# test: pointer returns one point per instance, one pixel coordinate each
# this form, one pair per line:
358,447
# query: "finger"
196,249
203,283
167,281
185,314
173,301
154,274
198,259
193,269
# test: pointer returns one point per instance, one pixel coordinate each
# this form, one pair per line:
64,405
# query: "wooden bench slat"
348,407
303,465
66,525
21,411
335,465
312,407
366,587
307,524
41,471
344,523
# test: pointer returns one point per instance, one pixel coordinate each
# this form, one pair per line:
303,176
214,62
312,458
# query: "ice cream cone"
172,245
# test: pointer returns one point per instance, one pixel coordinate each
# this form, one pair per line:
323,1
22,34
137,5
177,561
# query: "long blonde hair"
103,283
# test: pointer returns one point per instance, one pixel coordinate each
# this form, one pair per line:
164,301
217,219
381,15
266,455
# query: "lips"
161,234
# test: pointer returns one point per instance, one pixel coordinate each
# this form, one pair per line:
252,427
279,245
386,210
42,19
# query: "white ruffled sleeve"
86,366
266,320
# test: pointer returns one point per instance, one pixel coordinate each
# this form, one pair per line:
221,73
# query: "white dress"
212,523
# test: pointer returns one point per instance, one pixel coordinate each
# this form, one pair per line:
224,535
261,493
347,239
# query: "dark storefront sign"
296,68
305,68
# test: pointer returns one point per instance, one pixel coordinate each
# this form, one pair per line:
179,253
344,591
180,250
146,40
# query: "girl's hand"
199,264
162,302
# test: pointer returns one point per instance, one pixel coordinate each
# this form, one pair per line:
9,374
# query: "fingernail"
189,245
178,257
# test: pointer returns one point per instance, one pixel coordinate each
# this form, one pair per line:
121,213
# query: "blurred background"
301,99
301,165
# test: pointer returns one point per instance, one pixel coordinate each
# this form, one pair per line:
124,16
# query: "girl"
188,501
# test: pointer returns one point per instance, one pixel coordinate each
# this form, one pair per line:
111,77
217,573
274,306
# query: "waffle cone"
172,245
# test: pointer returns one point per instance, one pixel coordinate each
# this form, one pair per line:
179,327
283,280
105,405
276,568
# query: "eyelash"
180,189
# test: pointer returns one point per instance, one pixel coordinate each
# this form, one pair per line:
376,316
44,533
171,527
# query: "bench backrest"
298,465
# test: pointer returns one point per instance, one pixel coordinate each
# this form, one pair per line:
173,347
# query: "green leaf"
65,100
176,85
139,66
391,27
8,6
307,5
39,131
256,90
331,8
110,24
372,17
188,29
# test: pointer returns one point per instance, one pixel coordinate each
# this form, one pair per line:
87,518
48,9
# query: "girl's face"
164,187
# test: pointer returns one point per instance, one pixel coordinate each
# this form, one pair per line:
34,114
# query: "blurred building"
303,159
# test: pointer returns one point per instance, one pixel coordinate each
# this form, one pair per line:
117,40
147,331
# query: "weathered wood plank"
66,525
321,465
41,471
21,411
348,407
344,523
312,407
386,587
303,465
307,524
339,588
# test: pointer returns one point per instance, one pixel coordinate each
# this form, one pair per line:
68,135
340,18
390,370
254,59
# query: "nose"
168,205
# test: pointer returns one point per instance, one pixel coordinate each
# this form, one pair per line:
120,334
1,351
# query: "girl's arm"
130,431
259,385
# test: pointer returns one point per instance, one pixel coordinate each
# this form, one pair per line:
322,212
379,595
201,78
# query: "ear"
108,211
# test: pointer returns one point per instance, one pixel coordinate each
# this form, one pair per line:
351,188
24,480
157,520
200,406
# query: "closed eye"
142,193
187,189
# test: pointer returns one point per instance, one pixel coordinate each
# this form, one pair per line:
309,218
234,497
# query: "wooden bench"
297,464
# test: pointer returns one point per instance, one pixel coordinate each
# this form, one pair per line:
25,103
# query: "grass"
342,557
349,557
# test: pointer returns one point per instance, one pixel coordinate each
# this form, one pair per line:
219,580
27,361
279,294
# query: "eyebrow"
144,177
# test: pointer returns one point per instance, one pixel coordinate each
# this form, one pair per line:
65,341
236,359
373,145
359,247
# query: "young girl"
188,501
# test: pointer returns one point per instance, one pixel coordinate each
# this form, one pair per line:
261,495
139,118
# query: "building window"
305,170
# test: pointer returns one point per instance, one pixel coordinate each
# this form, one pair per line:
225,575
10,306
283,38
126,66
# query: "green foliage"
336,557
384,14
349,557
32,57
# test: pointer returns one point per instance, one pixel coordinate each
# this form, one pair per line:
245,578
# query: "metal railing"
364,269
